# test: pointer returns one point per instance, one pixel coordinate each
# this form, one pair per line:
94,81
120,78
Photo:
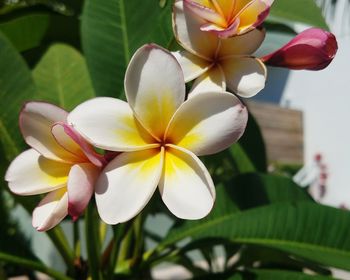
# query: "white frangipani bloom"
216,63
159,135
60,162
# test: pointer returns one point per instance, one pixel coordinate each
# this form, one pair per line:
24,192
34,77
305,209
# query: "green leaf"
26,32
113,31
253,145
62,78
34,265
269,274
253,189
305,229
304,11
16,87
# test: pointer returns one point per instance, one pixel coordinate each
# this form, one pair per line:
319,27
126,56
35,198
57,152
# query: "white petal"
191,65
208,123
36,119
212,80
30,173
51,210
127,184
81,182
186,186
245,44
187,31
109,123
245,76
155,87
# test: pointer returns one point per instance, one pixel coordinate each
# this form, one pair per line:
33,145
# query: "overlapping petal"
208,123
65,140
253,14
51,210
127,184
36,119
155,87
187,32
191,65
212,80
72,141
109,123
245,76
30,173
245,44
186,186
81,181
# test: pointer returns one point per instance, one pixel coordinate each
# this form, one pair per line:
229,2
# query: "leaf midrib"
271,241
123,28
11,149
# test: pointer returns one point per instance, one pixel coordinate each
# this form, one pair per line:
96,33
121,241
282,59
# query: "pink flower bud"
312,49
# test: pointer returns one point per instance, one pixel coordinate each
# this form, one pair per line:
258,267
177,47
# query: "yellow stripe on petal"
186,186
249,15
110,124
158,110
154,87
208,123
127,183
131,132
30,173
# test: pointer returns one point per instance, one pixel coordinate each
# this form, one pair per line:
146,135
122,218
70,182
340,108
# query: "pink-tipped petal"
204,12
75,143
36,120
224,33
252,15
81,182
30,173
51,210
187,32
313,49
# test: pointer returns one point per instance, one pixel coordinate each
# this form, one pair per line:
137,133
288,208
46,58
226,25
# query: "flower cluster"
157,135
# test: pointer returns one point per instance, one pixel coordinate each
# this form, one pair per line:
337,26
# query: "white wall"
324,97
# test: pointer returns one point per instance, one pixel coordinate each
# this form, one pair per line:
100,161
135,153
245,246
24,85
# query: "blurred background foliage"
265,225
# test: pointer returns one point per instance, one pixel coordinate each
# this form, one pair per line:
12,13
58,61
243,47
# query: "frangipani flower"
60,162
216,63
312,49
227,18
159,135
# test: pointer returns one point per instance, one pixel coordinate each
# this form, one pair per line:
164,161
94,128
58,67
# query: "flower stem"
61,243
36,266
92,243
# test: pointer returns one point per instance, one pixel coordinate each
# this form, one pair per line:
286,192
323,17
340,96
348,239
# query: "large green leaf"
305,229
304,11
266,274
252,190
62,78
253,145
16,87
113,31
27,31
